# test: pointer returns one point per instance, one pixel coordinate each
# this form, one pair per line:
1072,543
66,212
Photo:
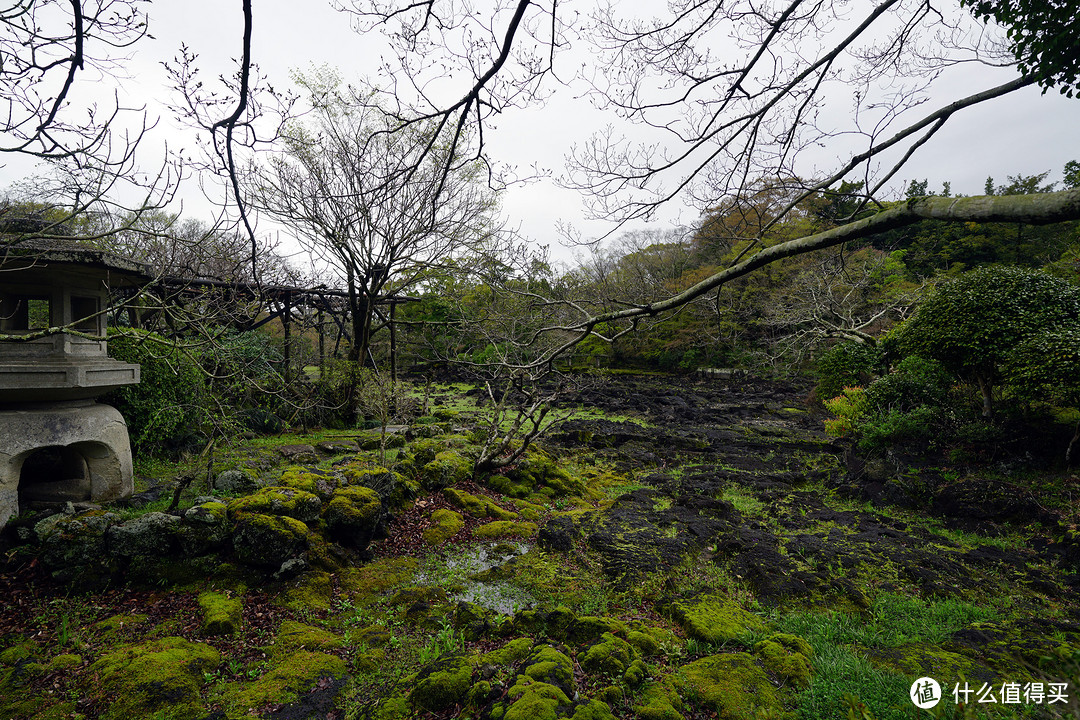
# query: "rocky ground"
685,549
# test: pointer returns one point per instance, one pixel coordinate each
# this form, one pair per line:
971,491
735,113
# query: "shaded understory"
685,550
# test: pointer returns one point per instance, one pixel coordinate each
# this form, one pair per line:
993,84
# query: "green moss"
65,661
715,619
593,710
925,660
268,540
547,664
376,579
787,657
312,591
221,613
644,642
587,628
16,653
449,467
505,528
302,478
528,510
477,505
659,701
290,502
612,656
160,678
443,685
734,684
530,699
445,524
289,677
396,707
636,673
293,635
513,652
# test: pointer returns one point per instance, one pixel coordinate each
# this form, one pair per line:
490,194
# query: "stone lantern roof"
51,284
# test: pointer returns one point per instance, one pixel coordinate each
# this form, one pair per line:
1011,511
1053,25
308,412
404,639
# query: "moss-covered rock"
159,678
268,540
442,684
289,677
926,660
449,467
549,665
587,628
73,548
392,488
444,525
536,472
221,613
505,528
307,479
153,534
477,505
659,701
593,710
530,699
205,527
611,655
353,515
293,636
735,685
509,654
285,501
787,657
714,618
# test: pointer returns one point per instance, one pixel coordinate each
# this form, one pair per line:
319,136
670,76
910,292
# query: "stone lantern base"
55,453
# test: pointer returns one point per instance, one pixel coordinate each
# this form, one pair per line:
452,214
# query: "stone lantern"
57,444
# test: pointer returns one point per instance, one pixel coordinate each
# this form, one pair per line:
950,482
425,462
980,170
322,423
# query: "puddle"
459,570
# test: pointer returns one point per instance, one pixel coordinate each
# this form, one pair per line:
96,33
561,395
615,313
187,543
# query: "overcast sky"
1025,134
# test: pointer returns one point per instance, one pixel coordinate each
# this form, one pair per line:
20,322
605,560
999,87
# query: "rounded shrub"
847,364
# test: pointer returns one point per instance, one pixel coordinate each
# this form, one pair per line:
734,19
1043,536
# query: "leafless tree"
736,93
372,201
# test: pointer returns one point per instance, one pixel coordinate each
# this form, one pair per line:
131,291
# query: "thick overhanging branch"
1034,209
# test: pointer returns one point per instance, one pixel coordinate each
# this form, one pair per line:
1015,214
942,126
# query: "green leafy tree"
973,324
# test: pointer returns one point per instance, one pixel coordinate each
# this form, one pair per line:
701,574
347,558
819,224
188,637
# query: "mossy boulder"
234,482
448,468
735,685
587,628
536,472
920,660
159,678
714,618
659,701
221,613
277,500
477,505
611,655
530,699
787,657
205,527
289,677
505,528
353,515
442,684
593,710
293,636
551,666
509,654
75,540
391,487
444,525
309,479
268,540
153,534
